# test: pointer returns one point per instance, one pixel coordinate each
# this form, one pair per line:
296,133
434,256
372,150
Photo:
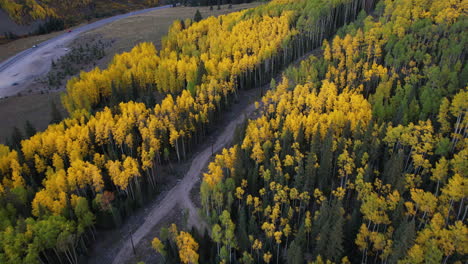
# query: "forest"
358,154
213,2
69,12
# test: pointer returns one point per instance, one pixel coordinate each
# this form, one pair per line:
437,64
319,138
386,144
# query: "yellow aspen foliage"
318,195
456,188
322,128
82,174
53,198
267,257
219,43
339,193
157,245
439,173
443,117
10,169
308,222
257,153
269,229
99,160
321,110
239,193
123,173
57,162
214,176
187,248
377,199
425,201
278,235
39,164
257,245
449,239
346,165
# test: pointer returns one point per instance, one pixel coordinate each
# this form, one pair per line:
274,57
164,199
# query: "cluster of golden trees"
358,155
212,52
60,182
185,244
81,159
79,153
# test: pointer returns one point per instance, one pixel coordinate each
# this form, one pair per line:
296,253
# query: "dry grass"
15,111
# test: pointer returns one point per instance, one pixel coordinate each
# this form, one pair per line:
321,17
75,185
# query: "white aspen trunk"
177,149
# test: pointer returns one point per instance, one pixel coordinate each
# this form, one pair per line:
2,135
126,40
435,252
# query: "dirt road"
180,193
21,69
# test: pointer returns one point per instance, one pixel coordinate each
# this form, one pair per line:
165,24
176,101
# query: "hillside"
8,25
72,12
356,152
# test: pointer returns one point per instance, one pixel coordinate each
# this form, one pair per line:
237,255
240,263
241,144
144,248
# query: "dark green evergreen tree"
29,129
404,239
15,139
326,158
295,255
198,17
328,231
55,115
242,235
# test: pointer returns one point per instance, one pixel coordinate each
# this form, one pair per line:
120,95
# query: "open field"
15,111
126,33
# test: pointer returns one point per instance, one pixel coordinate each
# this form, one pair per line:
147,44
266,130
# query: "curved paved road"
33,62
179,194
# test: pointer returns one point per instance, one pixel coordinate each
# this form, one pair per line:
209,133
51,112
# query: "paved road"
179,194
33,62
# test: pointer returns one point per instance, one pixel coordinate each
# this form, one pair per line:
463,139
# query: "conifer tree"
198,16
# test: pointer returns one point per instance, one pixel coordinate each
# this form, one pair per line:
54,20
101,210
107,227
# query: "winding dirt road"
21,69
179,194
